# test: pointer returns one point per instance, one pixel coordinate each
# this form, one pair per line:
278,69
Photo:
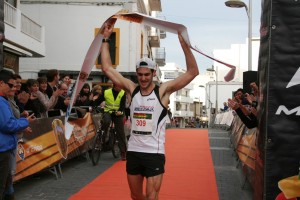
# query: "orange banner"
47,146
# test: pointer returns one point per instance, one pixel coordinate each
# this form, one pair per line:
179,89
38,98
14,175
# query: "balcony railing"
10,14
159,54
31,28
154,39
163,34
183,114
28,26
183,99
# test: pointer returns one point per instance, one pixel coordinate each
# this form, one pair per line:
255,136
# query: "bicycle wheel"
96,148
114,144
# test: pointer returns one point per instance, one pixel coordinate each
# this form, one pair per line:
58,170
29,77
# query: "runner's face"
145,77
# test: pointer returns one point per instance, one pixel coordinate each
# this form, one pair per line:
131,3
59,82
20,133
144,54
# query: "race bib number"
141,122
142,125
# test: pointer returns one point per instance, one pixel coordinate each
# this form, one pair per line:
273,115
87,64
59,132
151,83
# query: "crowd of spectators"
245,105
34,98
51,92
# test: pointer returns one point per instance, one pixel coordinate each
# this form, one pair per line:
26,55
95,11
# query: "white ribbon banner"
93,52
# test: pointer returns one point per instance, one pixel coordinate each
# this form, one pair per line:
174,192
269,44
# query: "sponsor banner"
46,145
279,75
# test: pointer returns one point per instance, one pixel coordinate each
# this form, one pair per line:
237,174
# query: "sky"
210,25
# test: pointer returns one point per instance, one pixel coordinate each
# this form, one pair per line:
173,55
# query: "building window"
12,2
11,61
178,106
113,48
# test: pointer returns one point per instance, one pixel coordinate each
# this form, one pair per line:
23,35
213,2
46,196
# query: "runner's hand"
108,29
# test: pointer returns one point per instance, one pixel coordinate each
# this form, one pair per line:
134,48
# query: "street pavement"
76,173
230,179
79,171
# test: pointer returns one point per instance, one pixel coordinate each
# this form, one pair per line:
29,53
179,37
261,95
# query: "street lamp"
207,98
216,72
208,103
201,107
240,4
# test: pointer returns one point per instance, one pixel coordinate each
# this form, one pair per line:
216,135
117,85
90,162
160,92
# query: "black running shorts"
145,164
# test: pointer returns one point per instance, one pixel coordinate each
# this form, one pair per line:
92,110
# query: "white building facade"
181,101
42,35
71,26
210,90
24,37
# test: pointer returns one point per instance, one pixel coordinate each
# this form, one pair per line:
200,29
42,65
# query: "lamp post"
207,98
240,4
200,108
216,72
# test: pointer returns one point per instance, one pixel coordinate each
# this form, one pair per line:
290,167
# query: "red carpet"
189,172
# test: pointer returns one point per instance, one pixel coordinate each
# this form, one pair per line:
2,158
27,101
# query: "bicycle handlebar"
113,112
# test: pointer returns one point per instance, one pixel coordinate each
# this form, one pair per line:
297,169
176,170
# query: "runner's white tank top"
148,117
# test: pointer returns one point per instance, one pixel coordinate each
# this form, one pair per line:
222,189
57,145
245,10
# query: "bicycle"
115,148
99,144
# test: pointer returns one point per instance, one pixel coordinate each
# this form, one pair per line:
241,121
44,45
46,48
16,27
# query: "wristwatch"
105,40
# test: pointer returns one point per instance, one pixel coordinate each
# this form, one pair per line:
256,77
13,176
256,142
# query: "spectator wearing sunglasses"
17,113
9,126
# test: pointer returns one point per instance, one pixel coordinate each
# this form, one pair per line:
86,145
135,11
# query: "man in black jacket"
63,100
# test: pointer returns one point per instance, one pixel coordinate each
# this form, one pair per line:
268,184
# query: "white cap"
146,62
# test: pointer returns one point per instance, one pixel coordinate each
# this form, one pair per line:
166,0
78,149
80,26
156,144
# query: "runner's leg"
153,187
135,183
